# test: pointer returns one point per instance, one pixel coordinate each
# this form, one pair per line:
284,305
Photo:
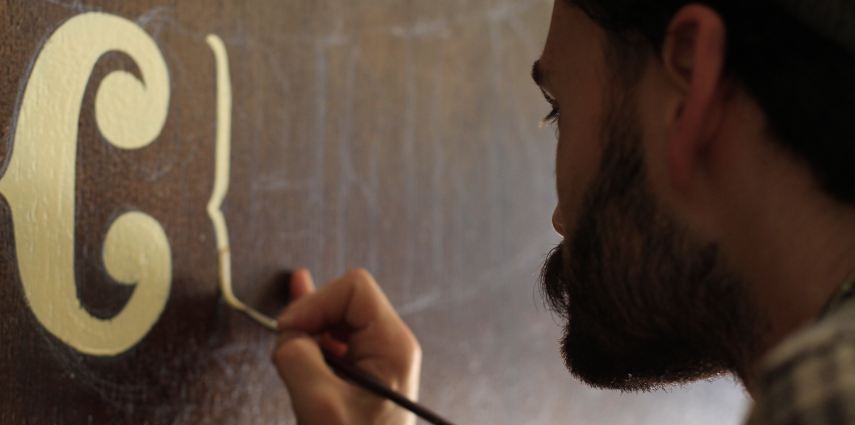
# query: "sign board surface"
151,149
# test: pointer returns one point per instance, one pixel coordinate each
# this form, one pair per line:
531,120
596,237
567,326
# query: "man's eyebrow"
537,73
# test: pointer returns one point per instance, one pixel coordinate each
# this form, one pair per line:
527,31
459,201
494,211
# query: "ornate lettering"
39,182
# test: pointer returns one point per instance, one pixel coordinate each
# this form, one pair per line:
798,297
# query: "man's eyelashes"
552,117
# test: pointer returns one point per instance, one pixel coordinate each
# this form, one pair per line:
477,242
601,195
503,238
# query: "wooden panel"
397,135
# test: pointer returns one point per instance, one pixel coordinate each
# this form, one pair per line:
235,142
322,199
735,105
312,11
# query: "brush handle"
370,383
351,372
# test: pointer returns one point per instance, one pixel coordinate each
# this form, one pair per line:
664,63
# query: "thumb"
301,366
317,395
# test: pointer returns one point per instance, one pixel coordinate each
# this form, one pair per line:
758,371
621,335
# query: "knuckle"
416,347
413,348
364,285
360,276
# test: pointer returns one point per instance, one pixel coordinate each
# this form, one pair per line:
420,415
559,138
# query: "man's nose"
556,222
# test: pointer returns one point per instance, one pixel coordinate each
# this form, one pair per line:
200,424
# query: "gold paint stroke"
221,181
39,183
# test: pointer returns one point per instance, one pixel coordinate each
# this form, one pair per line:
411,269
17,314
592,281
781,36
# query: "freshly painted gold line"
221,181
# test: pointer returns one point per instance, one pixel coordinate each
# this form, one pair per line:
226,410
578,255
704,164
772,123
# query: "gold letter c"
39,183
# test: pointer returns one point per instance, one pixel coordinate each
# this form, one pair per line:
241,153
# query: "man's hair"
804,83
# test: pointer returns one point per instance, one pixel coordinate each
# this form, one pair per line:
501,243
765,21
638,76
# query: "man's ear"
693,55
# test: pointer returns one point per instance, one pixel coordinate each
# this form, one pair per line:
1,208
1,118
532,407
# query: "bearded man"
706,185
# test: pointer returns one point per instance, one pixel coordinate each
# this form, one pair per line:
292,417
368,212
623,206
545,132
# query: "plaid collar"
846,291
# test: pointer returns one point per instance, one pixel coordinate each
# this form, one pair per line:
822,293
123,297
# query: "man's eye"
552,118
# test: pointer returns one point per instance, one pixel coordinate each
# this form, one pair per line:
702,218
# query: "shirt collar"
846,291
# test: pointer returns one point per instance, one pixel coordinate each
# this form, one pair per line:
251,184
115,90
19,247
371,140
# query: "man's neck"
795,257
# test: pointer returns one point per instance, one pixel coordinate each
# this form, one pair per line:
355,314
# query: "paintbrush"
339,365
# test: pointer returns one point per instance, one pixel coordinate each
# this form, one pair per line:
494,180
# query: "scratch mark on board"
439,205
422,29
347,173
407,158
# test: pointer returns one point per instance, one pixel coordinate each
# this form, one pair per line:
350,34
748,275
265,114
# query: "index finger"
301,283
354,300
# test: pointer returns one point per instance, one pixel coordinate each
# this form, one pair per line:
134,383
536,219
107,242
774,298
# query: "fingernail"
308,278
303,280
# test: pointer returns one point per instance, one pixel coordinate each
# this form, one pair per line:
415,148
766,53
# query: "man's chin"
628,366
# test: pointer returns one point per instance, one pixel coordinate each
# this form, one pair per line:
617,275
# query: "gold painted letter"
39,183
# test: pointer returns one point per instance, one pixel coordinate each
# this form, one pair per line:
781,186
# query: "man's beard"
645,305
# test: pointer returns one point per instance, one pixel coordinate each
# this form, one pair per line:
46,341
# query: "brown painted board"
400,136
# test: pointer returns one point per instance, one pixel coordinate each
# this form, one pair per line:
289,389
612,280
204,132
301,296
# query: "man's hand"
350,317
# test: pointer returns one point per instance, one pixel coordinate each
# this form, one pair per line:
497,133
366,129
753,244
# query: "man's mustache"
553,282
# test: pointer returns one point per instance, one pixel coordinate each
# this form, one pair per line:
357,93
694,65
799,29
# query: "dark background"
401,136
